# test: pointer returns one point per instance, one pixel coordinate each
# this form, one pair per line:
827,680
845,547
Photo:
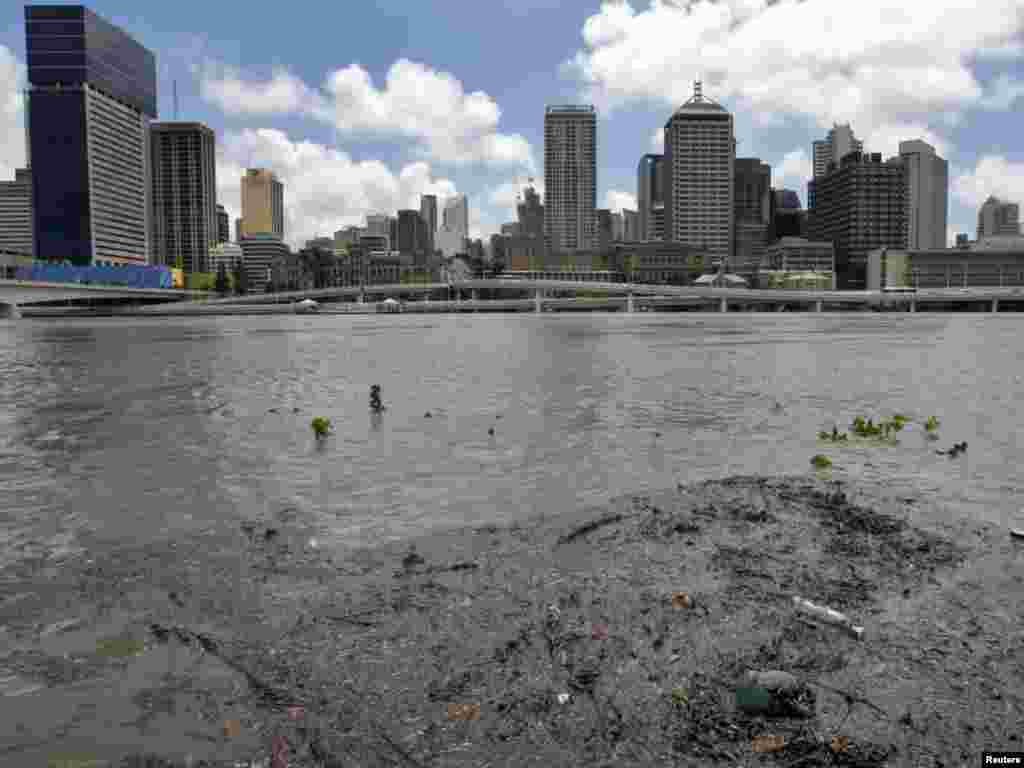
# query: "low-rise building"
657,261
946,268
259,252
16,213
227,254
797,255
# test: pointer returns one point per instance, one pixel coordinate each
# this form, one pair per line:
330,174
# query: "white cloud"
993,175
283,93
615,201
12,123
324,189
793,172
450,125
886,138
874,63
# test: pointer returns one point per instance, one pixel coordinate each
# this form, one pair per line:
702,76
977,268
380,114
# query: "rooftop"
698,104
585,108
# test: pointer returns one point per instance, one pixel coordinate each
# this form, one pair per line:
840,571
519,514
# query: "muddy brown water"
133,452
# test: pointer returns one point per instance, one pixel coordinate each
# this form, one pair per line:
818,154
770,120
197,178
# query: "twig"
593,525
396,748
853,698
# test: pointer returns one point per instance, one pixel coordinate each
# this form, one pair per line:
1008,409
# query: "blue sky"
362,107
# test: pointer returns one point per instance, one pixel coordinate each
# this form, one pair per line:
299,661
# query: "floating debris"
321,426
828,615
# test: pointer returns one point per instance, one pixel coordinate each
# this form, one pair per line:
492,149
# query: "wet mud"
616,636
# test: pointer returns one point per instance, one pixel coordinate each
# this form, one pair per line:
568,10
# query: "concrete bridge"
14,293
721,299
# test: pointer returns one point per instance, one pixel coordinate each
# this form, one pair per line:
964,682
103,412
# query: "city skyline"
343,167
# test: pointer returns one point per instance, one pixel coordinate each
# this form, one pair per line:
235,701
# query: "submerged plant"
321,426
821,462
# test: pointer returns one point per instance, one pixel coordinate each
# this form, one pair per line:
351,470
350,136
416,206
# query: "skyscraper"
531,213
223,224
839,142
184,195
996,217
699,177
927,180
262,204
451,237
16,212
861,206
570,178
92,95
752,196
650,194
428,212
410,231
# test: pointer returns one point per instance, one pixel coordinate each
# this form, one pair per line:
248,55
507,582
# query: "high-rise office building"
570,178
829,151
223,224
650,194
184,195
752,196
927,180
428,212
996,217
92,94
786,216
530,211
700,153
631,226
861,206
260,251
262,204
455,215
454,231
838,144
604,228
410,231
16,213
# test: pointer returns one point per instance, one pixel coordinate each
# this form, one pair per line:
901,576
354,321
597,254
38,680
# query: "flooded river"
121,433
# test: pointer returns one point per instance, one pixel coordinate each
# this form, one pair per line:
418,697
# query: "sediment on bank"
624,636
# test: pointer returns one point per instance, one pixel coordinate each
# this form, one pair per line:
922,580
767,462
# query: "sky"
362,107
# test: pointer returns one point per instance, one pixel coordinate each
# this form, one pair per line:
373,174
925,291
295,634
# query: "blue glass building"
92,94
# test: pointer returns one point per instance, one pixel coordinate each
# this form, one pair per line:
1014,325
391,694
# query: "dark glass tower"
92,94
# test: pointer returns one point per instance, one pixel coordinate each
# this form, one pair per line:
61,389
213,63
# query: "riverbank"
616,636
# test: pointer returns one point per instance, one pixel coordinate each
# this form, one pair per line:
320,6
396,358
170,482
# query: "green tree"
222,286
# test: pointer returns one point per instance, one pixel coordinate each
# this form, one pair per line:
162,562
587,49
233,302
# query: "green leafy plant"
821,462
321,426
931,424
835,436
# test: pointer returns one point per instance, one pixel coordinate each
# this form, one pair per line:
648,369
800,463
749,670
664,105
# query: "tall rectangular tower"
185,217
428,212
927,201
700,152
752,188
650,194
92,95
262,204
861,206
16,213
570,178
